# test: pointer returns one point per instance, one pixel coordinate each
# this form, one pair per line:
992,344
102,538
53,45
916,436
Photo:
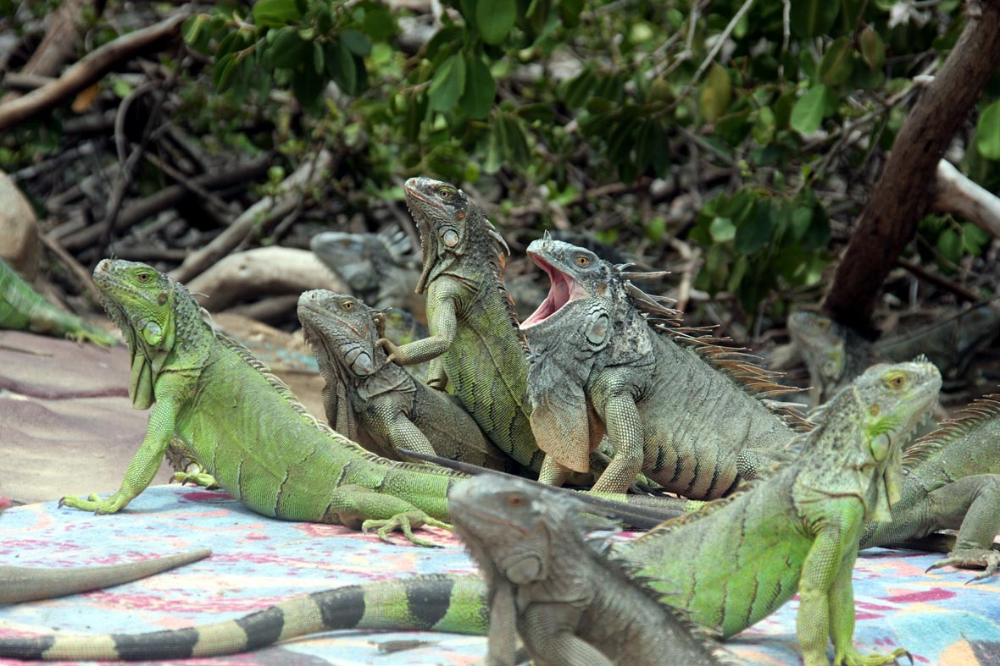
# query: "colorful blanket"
257,562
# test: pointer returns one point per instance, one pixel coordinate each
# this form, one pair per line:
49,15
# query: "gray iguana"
727,566
568,604
674,407
377,403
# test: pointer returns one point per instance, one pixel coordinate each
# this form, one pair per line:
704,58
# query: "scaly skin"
598,365
243,426
952,482
377,403
474,342
568,604
22,309
836,354
727,566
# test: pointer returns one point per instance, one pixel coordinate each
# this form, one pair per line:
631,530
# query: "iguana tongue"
563,289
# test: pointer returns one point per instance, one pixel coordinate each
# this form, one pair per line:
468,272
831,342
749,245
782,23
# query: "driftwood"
264,271
902,196
90,69
954,193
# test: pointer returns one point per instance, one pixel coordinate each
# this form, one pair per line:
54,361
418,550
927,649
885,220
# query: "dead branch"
263,271
268,208
954,193
901,196
90,69
939,281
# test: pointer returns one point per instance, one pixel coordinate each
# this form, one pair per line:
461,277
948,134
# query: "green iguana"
244,426
474,341
377,403
23,309
835,354
376,267
568,604
952,481
727,566
674,406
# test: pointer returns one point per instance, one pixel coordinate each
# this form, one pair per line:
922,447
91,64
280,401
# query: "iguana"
727,566
377,403
674,407
243,425
23,309
474,341
952,481
376,267
568,604
835,354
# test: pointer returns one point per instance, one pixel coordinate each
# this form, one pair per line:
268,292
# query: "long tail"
434,602
19,584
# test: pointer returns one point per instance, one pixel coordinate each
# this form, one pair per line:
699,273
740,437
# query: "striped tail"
432,602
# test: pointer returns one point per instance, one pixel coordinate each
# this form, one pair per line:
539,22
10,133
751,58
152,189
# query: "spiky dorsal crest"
717,351
252,361
980,412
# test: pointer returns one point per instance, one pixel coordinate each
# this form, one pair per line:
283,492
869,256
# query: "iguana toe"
971,558
203,479
855,658
405,522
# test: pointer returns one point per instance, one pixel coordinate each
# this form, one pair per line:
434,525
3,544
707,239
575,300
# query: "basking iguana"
474,341
376,267
952,481
568,604
688,418
243,425
835,354
377,403
727,566
23,309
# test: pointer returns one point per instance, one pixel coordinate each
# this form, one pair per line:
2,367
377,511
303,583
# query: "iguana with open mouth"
23,309
377,403
674,406
835,354
727,566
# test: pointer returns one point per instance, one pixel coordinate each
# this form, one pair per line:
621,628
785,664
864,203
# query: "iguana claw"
855,658
94,503
203,479
390,348
405,522
970,558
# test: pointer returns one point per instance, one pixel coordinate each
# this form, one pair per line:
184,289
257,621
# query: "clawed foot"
404,522
855,658
203,479
971,558
390,348
94,503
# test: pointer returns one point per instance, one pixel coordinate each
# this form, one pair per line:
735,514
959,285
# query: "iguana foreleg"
551,629
616,407
971,503
443,323
502,644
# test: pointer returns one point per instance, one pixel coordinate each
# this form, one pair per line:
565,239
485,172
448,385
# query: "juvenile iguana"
691,420
727,566
835,354
377,403
23,309
377,267
568,604
243,425
474,341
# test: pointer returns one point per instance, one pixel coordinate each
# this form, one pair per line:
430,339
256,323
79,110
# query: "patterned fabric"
257,562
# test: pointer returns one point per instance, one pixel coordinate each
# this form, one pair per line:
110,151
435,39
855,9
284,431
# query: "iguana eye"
347,305
582,261
823,323
515,500
446,193
143,277
897,381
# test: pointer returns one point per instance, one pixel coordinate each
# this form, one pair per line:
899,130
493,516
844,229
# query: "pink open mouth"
563,290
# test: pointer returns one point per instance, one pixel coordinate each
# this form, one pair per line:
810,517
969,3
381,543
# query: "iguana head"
885,405
340,328
822,342
154,313
451,226
510,523
360,260
574,274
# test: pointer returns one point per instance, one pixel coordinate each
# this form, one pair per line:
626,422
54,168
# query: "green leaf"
722,230
988,132
812,18
267,13
716,93
191,29
974,239
950,245
355,42
764,126
379,23
837,63
319,63
288,50
872,48
810,109
755,233
480,89
514,143
222,73
340,66
495,18
447,83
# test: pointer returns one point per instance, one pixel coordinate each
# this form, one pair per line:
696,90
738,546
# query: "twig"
957,194
90,69
939,281
74,266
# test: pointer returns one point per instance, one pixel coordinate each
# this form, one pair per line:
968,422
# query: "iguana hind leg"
358,507
969,505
